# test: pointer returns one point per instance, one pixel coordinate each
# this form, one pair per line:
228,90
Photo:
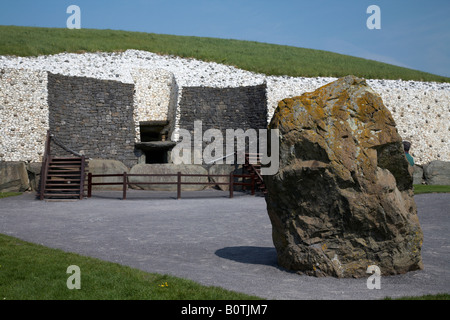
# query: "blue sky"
414,33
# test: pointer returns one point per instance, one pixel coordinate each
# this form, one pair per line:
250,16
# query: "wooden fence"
125,183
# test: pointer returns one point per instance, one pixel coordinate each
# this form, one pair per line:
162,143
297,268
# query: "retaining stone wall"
422,114
223,108
93,117
422,117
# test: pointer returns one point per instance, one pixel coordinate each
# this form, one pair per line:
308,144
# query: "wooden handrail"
252,165
60,144
45,164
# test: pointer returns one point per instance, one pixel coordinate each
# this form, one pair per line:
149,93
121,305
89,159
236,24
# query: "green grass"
9,194
440,296
420,189
259,57
33,272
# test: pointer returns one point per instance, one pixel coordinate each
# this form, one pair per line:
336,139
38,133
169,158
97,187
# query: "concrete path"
211,239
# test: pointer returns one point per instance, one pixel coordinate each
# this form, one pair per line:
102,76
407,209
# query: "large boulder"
172,169
13,177
217,170
107,166
343,197
437,173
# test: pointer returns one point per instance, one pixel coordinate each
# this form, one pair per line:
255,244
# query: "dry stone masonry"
223,108
93,117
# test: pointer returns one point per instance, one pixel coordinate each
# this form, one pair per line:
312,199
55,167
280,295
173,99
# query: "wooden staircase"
65,178
62,178
253,165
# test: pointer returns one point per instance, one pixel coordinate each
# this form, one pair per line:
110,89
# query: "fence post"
82,176
179,185
231,184
124,186
253,183
89,185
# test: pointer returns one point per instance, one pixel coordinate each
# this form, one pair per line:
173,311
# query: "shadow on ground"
249,254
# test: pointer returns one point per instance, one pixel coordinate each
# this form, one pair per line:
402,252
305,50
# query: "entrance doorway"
153,141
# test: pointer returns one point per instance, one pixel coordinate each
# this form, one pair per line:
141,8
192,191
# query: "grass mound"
258,57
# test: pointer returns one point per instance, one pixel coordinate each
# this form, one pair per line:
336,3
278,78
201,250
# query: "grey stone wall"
93,117
222,108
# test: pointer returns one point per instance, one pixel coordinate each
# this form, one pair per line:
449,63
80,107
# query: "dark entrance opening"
153,131
153,141
155,156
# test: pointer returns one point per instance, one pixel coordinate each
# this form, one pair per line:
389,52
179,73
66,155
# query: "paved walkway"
213,240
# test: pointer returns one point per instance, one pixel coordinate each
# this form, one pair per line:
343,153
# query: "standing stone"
343,197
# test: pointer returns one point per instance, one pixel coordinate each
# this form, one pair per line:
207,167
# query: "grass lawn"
258,57
9,194
440,296
421,188
33,272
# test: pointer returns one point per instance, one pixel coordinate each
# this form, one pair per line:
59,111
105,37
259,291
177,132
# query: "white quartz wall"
420,109
156,94
23,114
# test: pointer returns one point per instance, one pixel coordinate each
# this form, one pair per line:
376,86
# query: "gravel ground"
214,240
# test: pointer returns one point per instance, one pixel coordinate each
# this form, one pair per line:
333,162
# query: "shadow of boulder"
250,254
